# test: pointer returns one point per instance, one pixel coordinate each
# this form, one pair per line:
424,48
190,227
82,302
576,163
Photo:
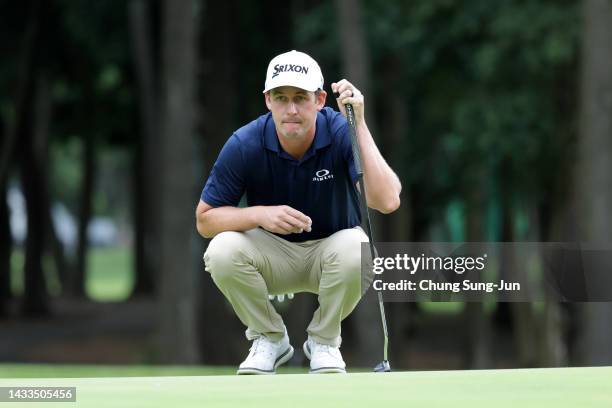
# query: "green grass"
538,388
17,271
84,370
109,275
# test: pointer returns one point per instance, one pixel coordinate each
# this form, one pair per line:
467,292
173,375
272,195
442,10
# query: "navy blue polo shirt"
320,185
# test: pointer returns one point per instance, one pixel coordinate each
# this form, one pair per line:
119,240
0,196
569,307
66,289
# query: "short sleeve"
226,183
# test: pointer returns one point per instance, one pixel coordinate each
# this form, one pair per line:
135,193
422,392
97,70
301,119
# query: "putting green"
541,388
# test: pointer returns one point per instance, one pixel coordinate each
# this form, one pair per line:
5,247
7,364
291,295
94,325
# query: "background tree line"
496,117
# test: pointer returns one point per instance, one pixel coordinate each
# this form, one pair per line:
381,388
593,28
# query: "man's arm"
280,219
210,220
383,187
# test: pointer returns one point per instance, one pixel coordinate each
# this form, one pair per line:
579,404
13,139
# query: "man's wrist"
254,215
362,131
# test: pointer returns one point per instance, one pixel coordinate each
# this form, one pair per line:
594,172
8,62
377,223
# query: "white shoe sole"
322,370
282,359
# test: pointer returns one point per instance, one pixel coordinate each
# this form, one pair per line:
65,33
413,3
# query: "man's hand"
282,219
346,93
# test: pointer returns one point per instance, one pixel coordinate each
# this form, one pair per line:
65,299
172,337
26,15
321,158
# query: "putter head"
383,367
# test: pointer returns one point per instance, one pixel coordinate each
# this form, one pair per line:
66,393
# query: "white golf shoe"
323,358
265,355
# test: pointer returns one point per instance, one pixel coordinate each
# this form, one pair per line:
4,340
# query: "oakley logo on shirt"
322,175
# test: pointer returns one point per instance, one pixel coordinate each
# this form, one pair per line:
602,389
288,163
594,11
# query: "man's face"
294,110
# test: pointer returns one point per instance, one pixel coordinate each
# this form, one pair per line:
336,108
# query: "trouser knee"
343,259
224,251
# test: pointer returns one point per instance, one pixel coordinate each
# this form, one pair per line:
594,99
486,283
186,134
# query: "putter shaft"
365,216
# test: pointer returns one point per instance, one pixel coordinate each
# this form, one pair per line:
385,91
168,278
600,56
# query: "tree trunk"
6,243
26,72
594,166
218,73
34,143
19,139
35,301
56,247
555,222
77,287
354,49
145,203
552,349
178,279
523,324
550,343
477,322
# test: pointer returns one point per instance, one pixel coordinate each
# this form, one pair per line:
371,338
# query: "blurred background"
495,115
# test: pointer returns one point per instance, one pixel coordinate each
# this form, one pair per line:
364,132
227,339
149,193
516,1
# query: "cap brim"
289,82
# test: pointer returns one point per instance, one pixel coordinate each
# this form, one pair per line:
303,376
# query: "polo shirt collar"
322,136
270,138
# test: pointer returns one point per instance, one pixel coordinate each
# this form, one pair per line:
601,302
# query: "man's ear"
321,97
268,101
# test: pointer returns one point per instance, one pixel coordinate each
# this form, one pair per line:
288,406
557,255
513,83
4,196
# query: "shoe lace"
326,348
262,345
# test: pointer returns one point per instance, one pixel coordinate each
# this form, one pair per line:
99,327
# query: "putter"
383,366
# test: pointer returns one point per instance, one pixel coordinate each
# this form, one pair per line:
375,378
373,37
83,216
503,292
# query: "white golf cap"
294,68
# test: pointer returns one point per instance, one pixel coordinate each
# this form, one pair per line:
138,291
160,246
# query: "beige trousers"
247,266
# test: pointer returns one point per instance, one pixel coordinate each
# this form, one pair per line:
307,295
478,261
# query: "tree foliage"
487,92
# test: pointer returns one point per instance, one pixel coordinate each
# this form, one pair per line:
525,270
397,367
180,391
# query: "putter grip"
350,116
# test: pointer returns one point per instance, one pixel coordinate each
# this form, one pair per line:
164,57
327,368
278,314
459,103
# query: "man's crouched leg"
340,288
230,259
